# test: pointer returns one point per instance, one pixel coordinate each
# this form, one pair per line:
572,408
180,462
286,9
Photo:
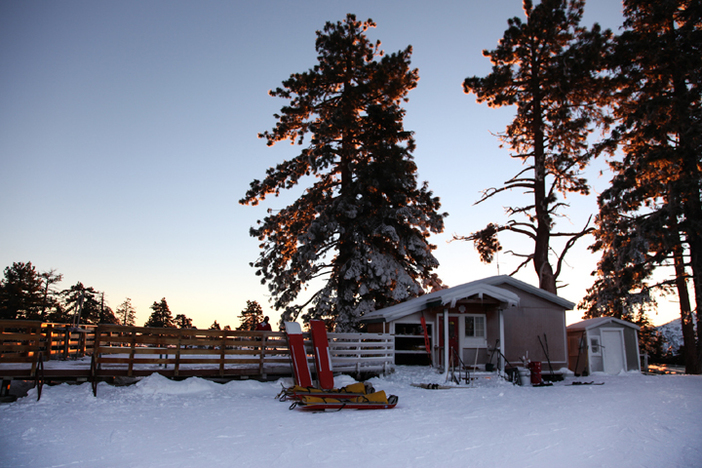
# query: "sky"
128,133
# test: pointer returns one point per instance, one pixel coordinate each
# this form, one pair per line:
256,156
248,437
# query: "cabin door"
453,338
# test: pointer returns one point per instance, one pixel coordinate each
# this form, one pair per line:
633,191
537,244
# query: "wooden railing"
134,351
362,353
21,341
177,353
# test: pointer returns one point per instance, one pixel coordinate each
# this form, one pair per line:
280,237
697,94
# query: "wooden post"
66,342
34,343
264,340
132,345
222,351
49,341
81,344
177,353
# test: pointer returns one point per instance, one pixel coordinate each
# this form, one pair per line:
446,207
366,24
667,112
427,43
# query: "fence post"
132,346
177,353
222,351
66,342
264,342
49,341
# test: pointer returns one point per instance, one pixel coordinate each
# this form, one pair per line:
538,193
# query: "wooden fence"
136,351
27,347
362,353
23,341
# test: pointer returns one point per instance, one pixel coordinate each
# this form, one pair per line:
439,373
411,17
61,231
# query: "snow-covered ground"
631,421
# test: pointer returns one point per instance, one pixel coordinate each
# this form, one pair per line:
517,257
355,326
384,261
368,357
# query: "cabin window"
595,347
475,326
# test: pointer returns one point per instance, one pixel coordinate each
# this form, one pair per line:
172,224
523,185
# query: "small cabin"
483,320
603,344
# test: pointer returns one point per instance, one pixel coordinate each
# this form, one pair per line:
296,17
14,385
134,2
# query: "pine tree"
215,326
182,321
126,313
364,224
86,305
50,303
161,316
21,292
250,316
548,67
655,192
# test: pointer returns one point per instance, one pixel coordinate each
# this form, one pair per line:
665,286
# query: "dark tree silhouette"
252,315
21,292
161,316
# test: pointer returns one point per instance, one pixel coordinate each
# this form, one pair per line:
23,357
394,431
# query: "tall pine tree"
161,316
252,315
548,67
86,305
364,224
126,313
652,214
21,292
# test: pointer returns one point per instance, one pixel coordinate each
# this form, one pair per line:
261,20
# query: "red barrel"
535,368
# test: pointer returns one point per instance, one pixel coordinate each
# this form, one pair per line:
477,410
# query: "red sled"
322,358
376,400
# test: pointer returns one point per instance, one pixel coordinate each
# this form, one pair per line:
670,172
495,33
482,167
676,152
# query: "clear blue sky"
128,133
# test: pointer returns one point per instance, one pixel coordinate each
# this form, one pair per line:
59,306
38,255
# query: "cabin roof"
490,287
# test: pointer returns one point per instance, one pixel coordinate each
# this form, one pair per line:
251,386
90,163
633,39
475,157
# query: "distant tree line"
27,294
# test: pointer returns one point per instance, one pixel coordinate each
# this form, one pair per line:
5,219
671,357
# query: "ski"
296,343
322,358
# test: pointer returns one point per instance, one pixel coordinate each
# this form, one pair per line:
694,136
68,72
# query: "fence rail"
137,351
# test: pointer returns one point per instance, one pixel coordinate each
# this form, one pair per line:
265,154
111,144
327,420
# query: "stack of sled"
324,396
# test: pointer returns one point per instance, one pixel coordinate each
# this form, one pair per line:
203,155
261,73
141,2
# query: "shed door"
613,351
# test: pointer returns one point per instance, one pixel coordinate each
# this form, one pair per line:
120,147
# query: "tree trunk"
689,187
544,270
688,329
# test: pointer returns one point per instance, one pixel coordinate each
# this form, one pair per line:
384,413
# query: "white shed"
603,344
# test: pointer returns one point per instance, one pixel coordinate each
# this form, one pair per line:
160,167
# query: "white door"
613,351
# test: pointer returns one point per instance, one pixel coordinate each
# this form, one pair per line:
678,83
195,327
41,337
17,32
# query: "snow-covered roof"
598,322
489,287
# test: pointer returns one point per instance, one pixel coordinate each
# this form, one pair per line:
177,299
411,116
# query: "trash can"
524,377
535,368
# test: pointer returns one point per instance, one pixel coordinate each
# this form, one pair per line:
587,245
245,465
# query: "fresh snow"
632,420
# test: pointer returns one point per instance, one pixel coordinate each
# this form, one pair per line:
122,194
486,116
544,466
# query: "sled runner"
345,393
377,400
322,358
298,355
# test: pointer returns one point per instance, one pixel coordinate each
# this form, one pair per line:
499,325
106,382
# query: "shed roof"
598,322
489,287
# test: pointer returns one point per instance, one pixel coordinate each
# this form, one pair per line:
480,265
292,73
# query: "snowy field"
631,421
